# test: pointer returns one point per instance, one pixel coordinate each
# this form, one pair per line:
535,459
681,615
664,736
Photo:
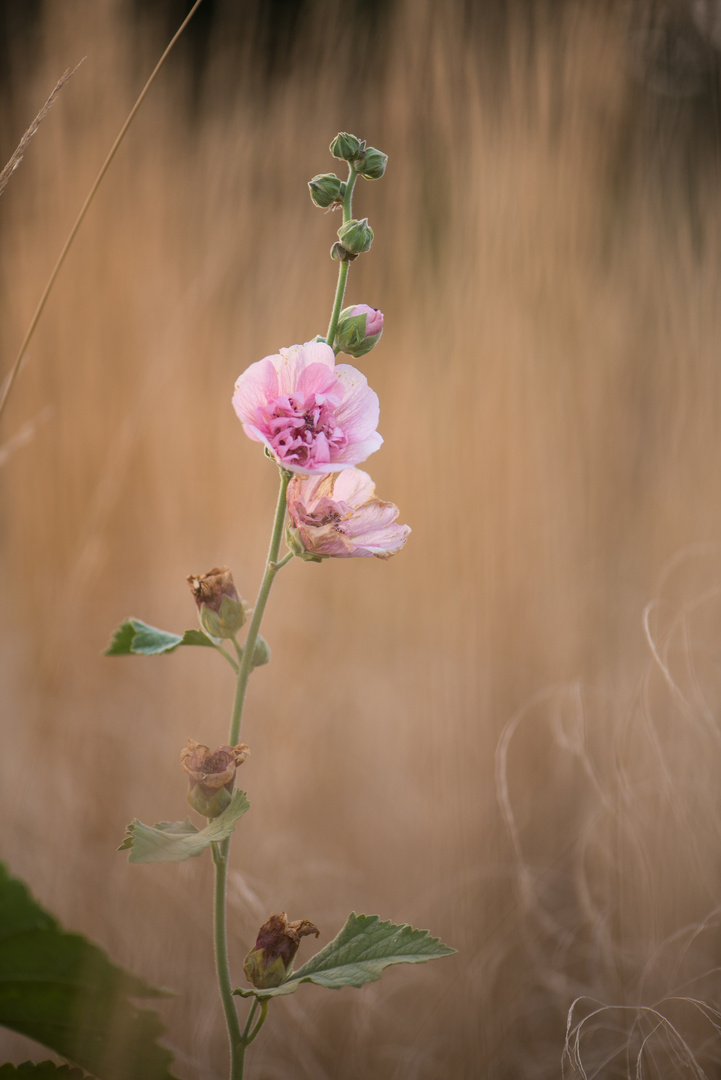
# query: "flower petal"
339,516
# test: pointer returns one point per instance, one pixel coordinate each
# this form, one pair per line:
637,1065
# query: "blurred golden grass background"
482,736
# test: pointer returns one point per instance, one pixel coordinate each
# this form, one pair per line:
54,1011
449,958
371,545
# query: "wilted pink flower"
271,961
211,775
314,416
339,515
222,612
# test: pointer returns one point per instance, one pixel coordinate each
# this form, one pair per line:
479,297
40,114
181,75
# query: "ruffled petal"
339,516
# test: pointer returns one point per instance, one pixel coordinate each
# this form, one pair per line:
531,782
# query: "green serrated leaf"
137,638
62,991
196,637
149,640
122,640
358,955
44,1070
174,841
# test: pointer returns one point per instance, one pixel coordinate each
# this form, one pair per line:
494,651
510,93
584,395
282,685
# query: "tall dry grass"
492,735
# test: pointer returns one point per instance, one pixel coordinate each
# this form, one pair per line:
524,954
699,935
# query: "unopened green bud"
347,147
271,961
374,164
326,189
221,611
261,652
339,253
356,236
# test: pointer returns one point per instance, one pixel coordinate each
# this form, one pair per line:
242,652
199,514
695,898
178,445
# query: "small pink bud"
359,329
374,317
271,961
211,775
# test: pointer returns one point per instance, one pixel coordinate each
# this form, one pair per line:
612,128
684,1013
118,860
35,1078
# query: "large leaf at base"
358,955
134,637
62,990
45,1070
174,841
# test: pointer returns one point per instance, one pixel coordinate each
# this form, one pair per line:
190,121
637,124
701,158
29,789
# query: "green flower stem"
227,656
235,1037
249,1035
271,569
239,1040
344,266
261,1020
339,294
249,1023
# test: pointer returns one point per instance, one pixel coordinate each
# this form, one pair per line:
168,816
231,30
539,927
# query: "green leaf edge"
218,829
40,1070
309,971
128,638
24,917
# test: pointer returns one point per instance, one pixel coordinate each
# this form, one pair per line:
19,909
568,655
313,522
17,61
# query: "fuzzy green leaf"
174,841
134,637
196,637
62,991
358,955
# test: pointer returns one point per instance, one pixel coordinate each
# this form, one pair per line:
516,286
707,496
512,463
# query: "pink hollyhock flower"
338,515
313,415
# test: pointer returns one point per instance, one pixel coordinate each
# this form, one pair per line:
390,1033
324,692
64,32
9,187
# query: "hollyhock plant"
317,420
313,415
339,516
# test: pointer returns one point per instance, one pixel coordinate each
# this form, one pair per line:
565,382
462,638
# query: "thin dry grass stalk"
15,370
22,146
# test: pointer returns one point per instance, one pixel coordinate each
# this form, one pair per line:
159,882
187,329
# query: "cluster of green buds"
366,160
327,190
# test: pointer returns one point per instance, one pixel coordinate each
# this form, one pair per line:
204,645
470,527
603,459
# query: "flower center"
304,431
327,514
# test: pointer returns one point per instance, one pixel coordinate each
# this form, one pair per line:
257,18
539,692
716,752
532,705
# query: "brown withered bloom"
222,612
210,588
271,961
211,775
